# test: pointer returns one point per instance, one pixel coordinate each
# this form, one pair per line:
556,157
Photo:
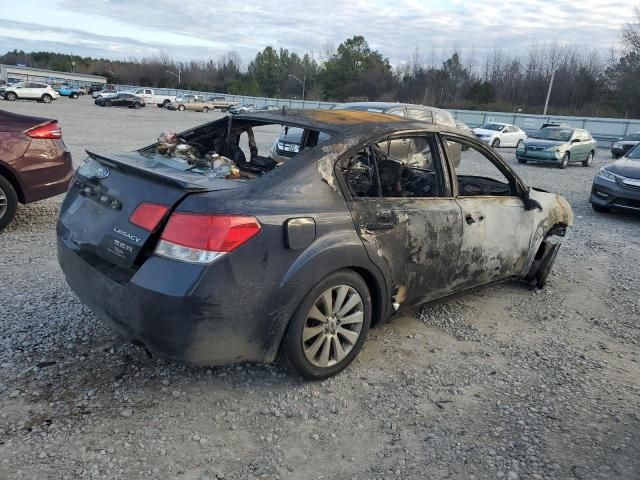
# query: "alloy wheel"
3,203
333,326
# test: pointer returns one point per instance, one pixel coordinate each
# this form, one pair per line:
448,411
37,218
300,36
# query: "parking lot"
510,382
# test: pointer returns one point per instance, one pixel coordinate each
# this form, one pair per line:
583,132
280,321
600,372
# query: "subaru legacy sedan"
199,248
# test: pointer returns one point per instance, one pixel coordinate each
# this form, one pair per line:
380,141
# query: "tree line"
585,82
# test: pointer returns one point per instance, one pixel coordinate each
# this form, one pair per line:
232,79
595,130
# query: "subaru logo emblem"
102,172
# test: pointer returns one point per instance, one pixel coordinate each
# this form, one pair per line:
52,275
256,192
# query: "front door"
497,230
409,223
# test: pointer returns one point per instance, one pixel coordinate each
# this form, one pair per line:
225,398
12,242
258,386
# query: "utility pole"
546,103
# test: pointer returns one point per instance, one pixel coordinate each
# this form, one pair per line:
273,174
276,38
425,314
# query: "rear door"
497,230
29,91
410,224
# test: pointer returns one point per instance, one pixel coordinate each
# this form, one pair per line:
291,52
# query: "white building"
13,73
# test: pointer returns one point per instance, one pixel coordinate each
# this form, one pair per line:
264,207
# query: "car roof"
503,124
355,122
382,106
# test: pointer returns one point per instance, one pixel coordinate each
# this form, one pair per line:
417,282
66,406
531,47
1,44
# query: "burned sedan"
201,249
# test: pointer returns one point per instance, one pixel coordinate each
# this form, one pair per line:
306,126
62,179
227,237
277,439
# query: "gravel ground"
508,383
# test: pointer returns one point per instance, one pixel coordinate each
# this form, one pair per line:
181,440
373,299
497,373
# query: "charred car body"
211,265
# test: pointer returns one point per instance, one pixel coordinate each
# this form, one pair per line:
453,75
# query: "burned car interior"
384,169
413,166
221,149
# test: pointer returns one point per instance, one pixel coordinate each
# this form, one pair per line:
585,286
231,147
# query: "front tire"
588,161
522,160
205,109
136,106
181,108
108,103
74,95
564,162
11,96
46,98
495,143
8,202
329,327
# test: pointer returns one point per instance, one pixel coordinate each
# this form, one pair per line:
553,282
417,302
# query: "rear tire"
522,160
495,143
46,98
8,202
322,339
108,103
564,162
74,95
11,96
588,161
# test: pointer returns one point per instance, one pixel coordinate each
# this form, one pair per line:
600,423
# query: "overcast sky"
203,30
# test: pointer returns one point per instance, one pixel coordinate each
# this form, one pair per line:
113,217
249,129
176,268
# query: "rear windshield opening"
232,149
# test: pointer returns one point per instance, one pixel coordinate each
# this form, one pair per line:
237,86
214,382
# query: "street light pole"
176,74
301,82
546,103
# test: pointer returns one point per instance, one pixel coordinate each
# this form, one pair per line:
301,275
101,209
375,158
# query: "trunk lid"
95,215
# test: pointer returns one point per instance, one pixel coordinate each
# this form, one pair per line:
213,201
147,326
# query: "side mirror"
576,140
530,203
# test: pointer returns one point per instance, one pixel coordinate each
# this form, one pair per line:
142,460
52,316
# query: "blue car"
71,92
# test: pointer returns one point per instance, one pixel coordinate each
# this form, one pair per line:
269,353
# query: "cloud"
195,30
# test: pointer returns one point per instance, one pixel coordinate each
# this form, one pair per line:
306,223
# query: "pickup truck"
219,103
150,97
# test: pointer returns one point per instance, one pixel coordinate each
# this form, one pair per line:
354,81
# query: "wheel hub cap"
333,326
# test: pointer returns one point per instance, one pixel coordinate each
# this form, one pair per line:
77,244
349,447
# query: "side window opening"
476,173
396,168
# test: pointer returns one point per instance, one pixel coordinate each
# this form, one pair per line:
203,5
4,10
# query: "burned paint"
351,117
326,170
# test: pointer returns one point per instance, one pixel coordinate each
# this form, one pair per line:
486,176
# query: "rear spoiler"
167,175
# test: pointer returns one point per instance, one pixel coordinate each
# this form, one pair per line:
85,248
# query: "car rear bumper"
607,194
165,306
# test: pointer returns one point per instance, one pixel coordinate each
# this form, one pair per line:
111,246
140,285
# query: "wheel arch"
312,267
13,180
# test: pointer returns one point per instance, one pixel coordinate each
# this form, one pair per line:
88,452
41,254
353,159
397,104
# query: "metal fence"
605,130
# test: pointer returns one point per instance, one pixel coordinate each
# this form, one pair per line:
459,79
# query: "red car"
34,162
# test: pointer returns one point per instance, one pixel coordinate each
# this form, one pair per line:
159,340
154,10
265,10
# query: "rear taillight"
197,238
50,130
148,215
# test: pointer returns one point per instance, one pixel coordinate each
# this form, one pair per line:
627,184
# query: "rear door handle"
380,226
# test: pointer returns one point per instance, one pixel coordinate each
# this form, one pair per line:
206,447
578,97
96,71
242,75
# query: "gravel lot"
508,383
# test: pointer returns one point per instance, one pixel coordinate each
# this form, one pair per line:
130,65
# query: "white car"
104,94
31,91
500,134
